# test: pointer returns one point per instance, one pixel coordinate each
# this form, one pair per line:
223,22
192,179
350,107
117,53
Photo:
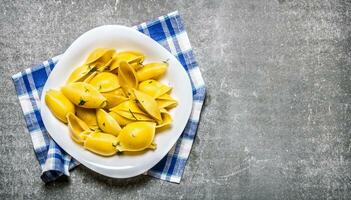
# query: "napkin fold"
167,30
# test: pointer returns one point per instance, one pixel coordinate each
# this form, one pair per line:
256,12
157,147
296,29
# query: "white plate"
120,38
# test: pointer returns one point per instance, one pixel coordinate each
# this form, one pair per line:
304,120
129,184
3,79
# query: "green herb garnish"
93,69
81,102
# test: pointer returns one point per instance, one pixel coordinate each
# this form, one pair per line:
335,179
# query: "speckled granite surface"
277,115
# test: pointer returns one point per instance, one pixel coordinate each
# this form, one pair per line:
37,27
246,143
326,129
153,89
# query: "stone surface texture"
276,120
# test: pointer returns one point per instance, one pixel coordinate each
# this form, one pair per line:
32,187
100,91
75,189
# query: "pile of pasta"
113,102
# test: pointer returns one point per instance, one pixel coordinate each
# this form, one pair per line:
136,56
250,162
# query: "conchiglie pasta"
130,110
107,123
80,73
166,119
166,101
152,71
101,55
88,116
118,91
127,77
130,105
148,104
101,143
78,128
137,136
120,119
59,105
89,77
113,102
131,57
84,95
105,82
136,66
134,116
154,88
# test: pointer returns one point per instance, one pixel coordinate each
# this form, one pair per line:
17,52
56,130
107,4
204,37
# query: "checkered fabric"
167,30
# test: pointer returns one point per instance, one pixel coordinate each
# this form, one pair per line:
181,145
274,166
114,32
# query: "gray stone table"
276,120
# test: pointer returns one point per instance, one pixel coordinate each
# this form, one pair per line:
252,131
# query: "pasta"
166,119
130,110
152,71
107,123
84,95
137,136
154,88
166,101
113,102
148,104
101,143
81,73
88,116
104,81
127,77
59,104
78,128
133,58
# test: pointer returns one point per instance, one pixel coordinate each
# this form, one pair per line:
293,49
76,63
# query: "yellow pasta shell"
166,104
131,110
102,55
105,82
80,73
101,143
58,104
166,101
134,116
120,119
152,71
136,136
84,95
107,123
88,116
103,65
127,77
154,88
149,104
118,91
166,119
77,127
113,100
80,138
89,77
136,65
129,57
130,105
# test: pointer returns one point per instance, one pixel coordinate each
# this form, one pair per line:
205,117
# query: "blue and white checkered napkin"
167,30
